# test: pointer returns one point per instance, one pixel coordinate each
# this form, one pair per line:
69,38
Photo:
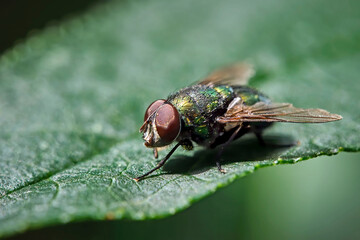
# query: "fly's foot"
220,168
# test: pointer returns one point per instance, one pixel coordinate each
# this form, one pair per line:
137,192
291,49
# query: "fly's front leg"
163,161
156,154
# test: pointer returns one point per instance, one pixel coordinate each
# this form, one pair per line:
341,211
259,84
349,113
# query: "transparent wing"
234,75
275,112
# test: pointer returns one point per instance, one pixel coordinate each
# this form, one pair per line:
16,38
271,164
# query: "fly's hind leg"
258,129
218,159
223,146
260,138
262,142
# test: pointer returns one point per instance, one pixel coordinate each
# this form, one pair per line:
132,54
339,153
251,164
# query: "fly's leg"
222,148
262,142
260,138
218,161
161,163
155,151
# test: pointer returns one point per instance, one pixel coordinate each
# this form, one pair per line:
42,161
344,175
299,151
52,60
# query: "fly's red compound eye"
167,121
152,108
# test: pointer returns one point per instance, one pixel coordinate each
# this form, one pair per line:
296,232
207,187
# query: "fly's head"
161,124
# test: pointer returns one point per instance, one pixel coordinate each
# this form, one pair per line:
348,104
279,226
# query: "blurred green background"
316,199
21,18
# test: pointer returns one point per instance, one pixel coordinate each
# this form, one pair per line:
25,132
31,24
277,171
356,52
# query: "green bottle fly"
216,111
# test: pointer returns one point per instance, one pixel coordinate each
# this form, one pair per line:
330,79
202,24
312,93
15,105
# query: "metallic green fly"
216,111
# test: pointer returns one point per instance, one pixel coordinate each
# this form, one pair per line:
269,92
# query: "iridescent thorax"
198,107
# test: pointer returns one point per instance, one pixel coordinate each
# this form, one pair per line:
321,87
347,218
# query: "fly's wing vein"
234,75
276,112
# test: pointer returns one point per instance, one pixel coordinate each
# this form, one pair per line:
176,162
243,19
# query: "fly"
216,111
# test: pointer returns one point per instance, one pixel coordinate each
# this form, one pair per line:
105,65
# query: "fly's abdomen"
250,96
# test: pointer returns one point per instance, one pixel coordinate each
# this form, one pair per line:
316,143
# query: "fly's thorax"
199,106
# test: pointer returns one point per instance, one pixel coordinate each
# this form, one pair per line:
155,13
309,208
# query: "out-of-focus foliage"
16,21
73,97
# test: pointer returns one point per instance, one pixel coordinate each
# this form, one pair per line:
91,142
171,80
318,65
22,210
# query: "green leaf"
73,97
